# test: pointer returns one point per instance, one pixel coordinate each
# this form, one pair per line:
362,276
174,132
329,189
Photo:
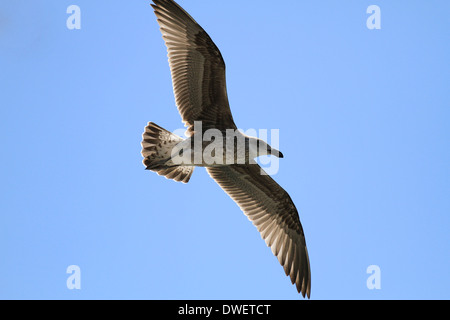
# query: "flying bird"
198,78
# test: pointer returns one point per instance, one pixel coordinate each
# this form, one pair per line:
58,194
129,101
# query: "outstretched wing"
272,211
197,67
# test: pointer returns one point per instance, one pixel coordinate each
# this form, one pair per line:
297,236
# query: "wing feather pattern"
197,68
272,211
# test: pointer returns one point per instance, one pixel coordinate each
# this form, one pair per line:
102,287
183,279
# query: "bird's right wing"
197,67
272,211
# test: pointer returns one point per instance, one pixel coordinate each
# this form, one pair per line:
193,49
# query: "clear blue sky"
364,127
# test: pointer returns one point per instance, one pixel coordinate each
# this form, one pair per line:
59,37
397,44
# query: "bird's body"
198,76
211,148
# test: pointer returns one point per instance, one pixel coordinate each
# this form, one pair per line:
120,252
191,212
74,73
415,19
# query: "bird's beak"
277,153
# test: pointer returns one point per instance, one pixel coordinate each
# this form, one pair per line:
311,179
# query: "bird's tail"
157,145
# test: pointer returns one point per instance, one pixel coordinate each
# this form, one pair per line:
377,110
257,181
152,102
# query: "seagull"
198,78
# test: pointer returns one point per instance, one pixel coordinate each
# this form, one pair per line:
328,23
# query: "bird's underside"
198,77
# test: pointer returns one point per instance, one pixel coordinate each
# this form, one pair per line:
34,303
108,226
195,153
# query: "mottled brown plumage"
198,76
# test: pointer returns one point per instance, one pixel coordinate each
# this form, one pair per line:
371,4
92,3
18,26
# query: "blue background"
364,128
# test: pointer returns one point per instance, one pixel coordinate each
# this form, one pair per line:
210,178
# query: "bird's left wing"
272,211
197,67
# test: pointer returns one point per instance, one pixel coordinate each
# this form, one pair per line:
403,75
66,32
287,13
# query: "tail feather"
157,145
